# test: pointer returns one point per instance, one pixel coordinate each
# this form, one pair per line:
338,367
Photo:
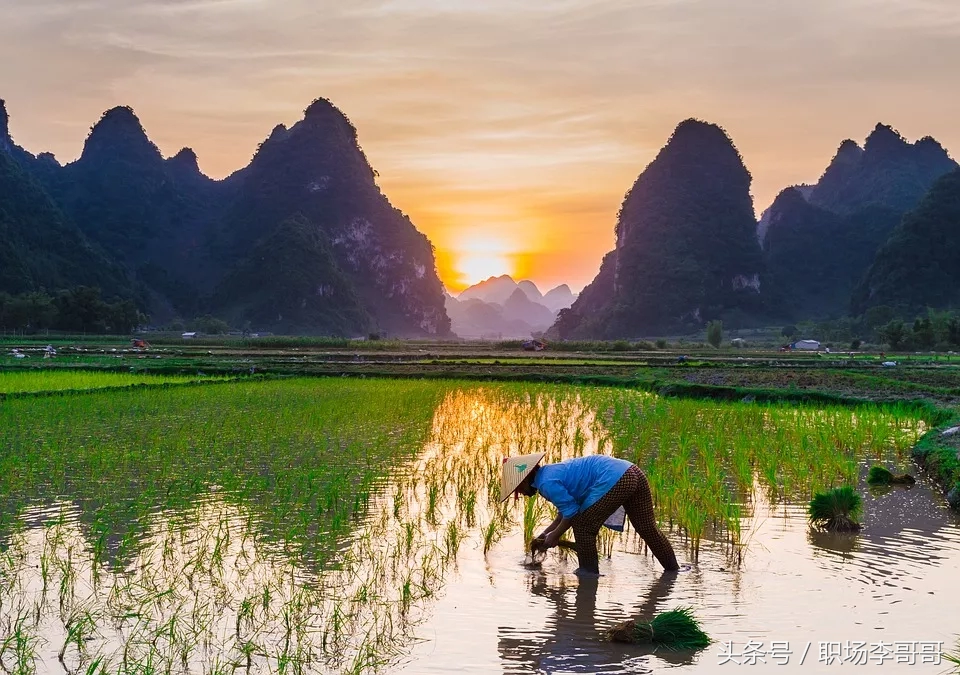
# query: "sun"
479,256
477,266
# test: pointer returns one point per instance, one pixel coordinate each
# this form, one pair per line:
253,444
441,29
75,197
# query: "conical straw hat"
515,469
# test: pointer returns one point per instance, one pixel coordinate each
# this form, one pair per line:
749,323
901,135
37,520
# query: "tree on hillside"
953,331
877,317
210,325
715,333
894,334
923,333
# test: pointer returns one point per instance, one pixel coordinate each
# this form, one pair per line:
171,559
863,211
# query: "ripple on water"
891,582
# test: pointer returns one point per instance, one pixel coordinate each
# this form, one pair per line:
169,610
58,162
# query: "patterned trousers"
632,492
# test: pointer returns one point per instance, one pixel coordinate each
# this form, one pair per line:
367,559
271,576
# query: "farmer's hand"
552,540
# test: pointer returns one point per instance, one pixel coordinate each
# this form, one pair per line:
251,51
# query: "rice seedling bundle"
836,510
676,630
881,475
954,658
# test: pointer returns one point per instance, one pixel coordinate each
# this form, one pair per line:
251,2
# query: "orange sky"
508,131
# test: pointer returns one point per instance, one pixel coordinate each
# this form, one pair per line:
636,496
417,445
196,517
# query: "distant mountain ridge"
499,307
301,240
499,289
39,247
887,172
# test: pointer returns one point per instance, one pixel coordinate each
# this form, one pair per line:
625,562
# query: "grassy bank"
939,454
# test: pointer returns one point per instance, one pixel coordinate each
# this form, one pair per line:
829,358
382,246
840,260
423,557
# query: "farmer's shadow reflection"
573,639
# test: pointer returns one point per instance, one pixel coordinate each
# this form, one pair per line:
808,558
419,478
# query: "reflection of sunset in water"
432,577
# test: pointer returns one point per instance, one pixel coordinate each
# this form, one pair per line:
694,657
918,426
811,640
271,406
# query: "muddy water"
207,590
844,600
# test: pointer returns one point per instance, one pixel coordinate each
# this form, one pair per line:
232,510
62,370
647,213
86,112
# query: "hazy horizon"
508,134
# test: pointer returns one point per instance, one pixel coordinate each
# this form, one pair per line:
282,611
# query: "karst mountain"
819,240
686,247
302,240
919,265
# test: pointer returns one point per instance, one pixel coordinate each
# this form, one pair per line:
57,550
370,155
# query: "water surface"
320,526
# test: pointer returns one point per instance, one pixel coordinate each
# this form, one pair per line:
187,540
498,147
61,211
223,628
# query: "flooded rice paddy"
303,526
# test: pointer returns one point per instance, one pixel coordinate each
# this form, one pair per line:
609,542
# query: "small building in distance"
807,345
534,345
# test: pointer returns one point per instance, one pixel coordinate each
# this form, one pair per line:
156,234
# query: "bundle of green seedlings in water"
676,630
836,510
538,551
880,475
538,546
954,659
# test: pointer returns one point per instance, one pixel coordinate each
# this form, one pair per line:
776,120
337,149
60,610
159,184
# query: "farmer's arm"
552,527
555,492
553,538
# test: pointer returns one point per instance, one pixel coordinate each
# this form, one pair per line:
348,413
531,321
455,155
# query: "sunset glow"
479,257
528,121
474,267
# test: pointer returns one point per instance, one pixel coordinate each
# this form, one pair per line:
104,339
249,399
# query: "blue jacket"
576,484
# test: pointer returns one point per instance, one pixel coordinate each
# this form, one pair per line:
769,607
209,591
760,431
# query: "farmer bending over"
587,491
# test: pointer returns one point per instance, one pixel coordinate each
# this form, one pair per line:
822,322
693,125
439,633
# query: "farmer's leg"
587,555
639,507
587,524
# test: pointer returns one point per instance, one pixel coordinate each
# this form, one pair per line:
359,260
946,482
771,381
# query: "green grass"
287,342
24,381
941,457
546,361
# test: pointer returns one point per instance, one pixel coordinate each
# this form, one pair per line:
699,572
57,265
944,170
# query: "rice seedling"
534,510
97,666
954,658
397,503
452,540
836,510
606,541
469,507
433,495
409,537
21,644
308,520
31,381
675,630
491,535
881,475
